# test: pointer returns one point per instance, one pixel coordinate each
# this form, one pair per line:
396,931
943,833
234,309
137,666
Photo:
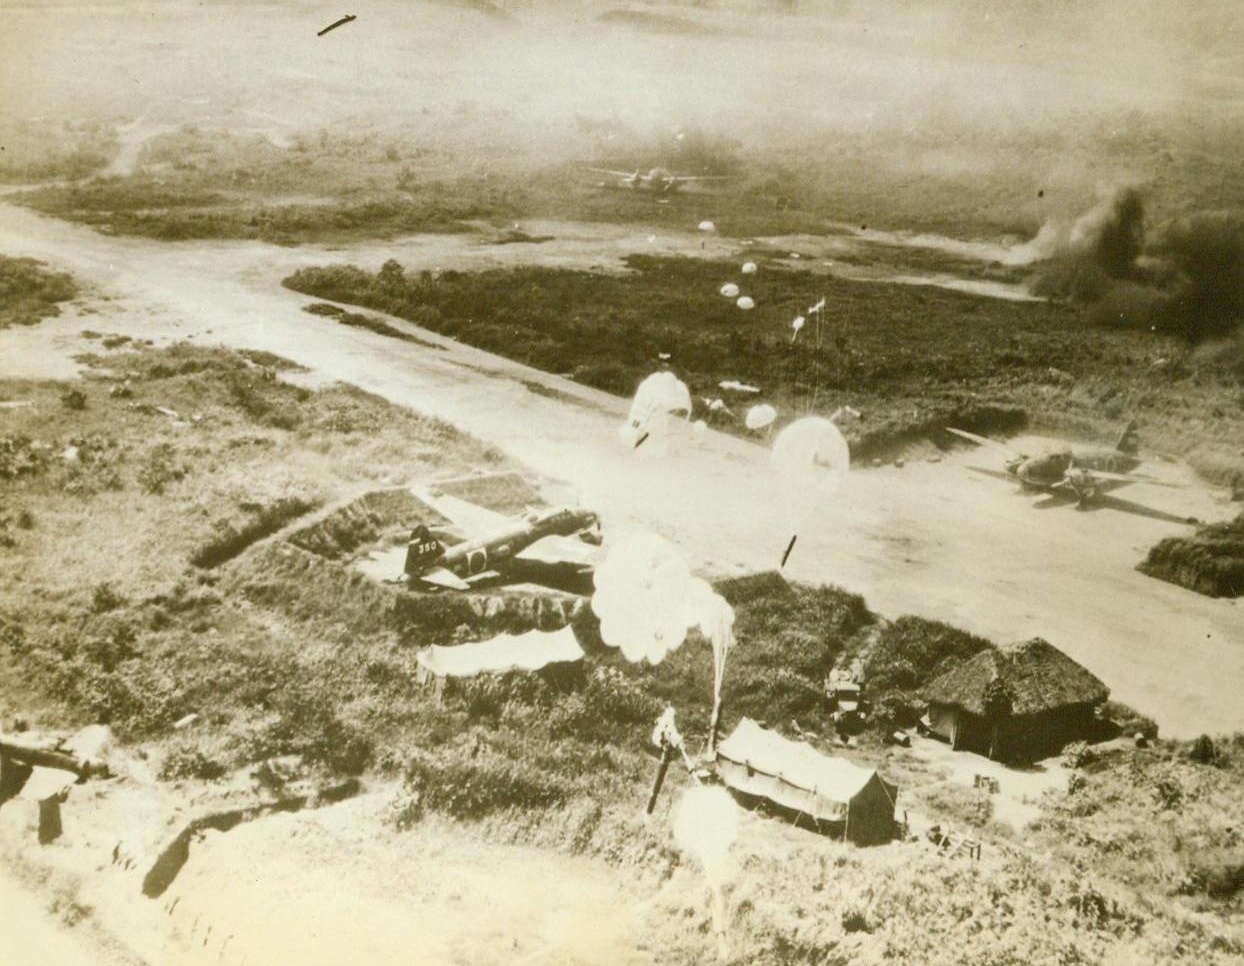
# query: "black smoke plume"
1186,280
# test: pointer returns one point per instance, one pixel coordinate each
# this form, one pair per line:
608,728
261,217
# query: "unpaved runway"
29,934
929,539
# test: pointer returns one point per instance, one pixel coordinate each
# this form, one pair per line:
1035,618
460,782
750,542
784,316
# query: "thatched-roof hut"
1022,701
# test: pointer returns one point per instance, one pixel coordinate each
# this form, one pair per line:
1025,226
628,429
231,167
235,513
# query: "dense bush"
1211,561
910,652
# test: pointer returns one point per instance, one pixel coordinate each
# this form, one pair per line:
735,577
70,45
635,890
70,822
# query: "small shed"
760,764
505,652
1021,702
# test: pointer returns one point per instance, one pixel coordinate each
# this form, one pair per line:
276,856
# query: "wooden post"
50,827
667,755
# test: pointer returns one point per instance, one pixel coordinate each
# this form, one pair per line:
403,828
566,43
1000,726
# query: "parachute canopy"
746,303
707,225
749,268
706,823
758,417
798,323
646,598
811,458
658,396
729,290
505,652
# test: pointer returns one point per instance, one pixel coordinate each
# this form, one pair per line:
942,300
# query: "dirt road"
29,933
930,539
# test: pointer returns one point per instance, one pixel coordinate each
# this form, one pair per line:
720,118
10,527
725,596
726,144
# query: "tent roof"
505,652
795,762
1038,676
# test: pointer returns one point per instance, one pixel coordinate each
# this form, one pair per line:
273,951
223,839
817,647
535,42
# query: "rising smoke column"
1185,279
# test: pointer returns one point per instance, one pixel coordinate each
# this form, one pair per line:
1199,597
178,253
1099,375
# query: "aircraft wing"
610,171
699,177
473,520
996,474
1130,478
1104,482
442,577
1140,510
560,550
982,440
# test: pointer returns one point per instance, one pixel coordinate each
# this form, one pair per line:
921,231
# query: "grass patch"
30,293
1211,561
912,359
368,322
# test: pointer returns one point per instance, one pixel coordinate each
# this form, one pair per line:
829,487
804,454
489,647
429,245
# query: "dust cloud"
951,113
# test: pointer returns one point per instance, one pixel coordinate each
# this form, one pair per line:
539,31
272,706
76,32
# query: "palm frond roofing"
1038,675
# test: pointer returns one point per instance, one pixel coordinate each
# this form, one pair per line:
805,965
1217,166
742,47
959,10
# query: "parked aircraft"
1085,476
483,544
656,179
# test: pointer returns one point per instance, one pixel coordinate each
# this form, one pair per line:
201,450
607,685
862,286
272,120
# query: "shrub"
20,456
73,399
160,469
472,783
104,599
190,763
1203,751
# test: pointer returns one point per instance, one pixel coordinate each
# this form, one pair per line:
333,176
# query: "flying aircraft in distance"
657,180
483,544
1083,476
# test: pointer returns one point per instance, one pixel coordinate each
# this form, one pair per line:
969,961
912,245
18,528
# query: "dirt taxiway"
930,538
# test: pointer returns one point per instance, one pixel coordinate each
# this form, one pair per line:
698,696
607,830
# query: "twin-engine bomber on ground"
657,180
484,544
1084,477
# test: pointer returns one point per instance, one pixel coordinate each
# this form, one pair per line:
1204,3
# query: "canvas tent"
761,764
505,652
1022,701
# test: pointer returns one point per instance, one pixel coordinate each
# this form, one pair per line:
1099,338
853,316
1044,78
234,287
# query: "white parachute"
657,399
811,458
729,290
746,303
760,416
647,600
706,824
749,268
707,225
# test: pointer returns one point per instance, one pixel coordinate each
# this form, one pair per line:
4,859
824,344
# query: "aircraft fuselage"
1050,469
492,550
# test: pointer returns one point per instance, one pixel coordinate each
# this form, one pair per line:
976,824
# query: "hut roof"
1038,676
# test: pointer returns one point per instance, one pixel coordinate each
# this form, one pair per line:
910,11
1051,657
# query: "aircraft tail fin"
422,551
1129,441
